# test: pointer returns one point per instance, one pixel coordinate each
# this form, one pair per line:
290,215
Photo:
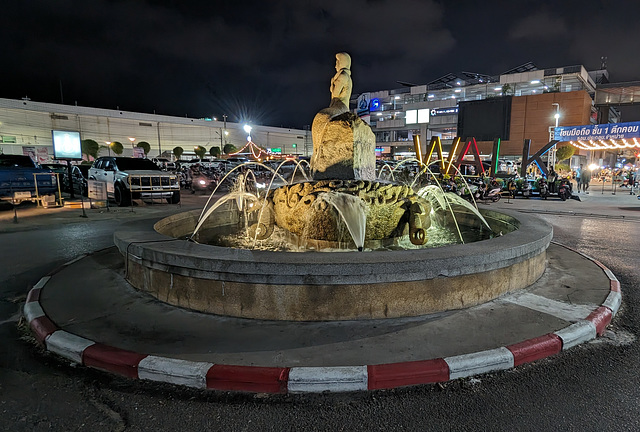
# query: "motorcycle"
201,182
526,189
564,189
488,192
544,188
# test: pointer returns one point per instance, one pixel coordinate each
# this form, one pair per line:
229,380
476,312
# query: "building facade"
536,97
28,124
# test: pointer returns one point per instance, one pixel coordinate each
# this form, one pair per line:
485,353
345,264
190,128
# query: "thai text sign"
597,132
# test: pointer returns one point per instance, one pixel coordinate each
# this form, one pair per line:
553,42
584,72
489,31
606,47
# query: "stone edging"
312,379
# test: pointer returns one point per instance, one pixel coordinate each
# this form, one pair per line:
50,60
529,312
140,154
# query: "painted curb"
258,379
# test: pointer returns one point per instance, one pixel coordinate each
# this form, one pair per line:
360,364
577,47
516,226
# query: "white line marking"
558,309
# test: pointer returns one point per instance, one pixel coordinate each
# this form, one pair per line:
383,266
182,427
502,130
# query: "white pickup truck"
133,178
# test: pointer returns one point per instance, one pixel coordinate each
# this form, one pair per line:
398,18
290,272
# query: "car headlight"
202,182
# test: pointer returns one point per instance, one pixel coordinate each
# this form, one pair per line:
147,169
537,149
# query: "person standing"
578,177
551,179
585,179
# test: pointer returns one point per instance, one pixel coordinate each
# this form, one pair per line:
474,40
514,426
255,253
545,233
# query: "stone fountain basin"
320,286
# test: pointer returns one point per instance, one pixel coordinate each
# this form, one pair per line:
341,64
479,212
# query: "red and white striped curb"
312,379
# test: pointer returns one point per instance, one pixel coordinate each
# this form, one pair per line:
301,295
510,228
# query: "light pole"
247,129
132,146
224,119
553,153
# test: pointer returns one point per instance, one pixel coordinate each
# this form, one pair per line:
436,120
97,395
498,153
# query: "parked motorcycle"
544,188
564,189
488,192
526,189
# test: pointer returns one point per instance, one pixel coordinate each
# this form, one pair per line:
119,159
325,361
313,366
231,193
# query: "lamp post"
226,132
553,153
132,145
247,128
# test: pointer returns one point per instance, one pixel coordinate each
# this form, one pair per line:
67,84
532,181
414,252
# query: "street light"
247,129
557,117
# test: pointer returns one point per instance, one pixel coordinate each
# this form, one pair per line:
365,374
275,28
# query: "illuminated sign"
597,132
363,103
66,145
417,116
276,150
374,105
443,111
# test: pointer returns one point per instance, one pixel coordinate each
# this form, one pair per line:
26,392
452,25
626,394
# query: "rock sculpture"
343,144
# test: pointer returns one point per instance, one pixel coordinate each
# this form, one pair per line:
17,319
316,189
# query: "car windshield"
128,164
16,161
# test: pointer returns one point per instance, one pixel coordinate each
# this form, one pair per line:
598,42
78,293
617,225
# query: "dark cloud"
540,26
271,62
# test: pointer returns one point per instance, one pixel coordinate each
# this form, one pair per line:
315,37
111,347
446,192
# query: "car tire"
175,198
121,196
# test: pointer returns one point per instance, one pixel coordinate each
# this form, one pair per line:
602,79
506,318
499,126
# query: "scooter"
526,189
564,189
544,188
490,192
201,182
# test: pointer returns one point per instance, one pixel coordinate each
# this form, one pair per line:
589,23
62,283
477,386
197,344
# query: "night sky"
270,62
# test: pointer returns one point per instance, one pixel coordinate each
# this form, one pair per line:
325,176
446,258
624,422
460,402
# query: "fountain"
339,244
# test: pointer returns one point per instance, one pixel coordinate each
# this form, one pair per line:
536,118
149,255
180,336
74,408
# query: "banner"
597,132
43,155
138,152
30,151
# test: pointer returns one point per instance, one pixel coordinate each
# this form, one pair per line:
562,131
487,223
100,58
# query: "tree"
507,89
177,152
200,151
145,146
214,151
229,148
565,152
90,148
116,147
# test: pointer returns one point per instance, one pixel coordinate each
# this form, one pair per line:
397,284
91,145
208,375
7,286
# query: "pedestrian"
578,177
551,180
585,179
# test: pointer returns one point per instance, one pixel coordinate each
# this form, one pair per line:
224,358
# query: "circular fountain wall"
316,286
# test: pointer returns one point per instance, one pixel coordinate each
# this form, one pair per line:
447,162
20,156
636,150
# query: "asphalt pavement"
592,386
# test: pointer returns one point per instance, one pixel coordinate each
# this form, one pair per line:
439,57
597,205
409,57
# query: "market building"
522,103
26,128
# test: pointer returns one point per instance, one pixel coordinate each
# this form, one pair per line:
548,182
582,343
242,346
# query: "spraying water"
352,210
441,200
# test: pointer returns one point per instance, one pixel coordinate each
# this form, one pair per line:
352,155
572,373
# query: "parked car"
132,178
56,167
22,179
164,164
79,177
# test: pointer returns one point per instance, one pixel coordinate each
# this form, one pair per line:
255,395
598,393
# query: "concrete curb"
258,379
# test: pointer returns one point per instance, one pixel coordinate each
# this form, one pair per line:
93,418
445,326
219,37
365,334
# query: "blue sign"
597,132
374,105
443,111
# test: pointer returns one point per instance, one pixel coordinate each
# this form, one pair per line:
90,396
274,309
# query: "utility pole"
159,145
224,119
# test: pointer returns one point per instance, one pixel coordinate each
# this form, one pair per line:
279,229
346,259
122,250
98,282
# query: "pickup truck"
134,178
18,182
